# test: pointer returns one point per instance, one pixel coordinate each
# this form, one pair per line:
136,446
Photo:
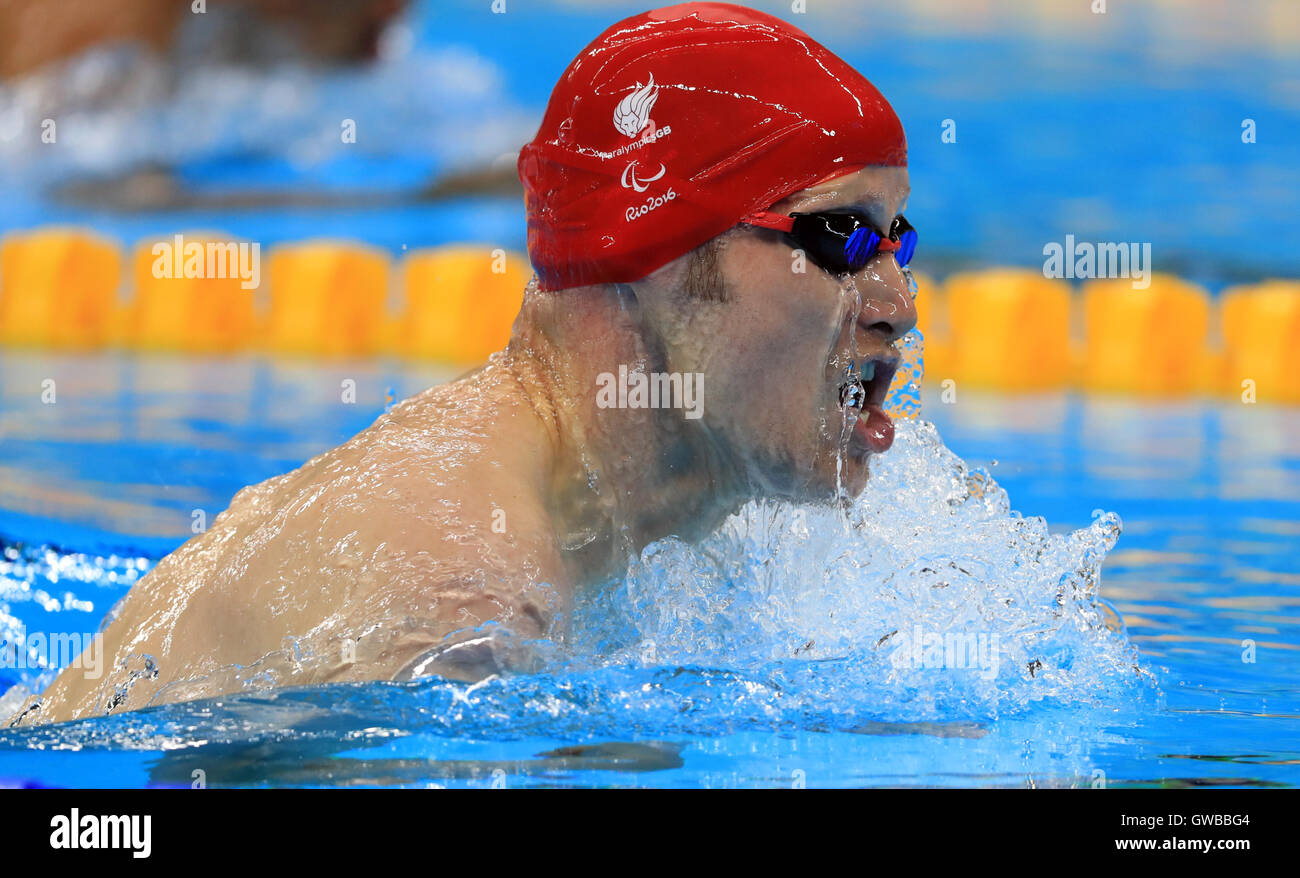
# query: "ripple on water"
938,605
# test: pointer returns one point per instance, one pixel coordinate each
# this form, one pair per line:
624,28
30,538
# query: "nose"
887,305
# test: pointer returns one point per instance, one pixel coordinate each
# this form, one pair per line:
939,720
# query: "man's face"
775,362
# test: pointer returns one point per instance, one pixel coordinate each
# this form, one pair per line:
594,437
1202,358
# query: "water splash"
904,399
910,278
852,398
48,601
925,600
852,392
44,583
864,623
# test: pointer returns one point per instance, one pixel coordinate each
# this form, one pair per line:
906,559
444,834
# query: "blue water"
673,687
1180,665
1118,127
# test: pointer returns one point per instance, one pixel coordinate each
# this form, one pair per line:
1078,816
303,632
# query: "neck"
619,478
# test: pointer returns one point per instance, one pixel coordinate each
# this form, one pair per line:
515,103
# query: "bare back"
374,560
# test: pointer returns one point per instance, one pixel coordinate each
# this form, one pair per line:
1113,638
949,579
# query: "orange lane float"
58,289
1146,341
1261,339
194,293
1002,329
327,298
460,302
1010,331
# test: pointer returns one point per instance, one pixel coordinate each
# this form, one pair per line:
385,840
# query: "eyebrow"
873,210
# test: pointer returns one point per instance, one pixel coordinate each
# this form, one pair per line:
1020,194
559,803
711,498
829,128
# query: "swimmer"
714,207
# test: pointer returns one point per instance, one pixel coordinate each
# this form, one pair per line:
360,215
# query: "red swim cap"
674,125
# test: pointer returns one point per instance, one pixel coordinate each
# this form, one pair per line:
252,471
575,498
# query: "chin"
858,483
809,475
824,485
857,472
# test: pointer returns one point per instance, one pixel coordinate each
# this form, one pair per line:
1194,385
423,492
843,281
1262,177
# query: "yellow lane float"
1146,341
58,289
327,298
1001,329
460,302
1261,339
1010,331
193,293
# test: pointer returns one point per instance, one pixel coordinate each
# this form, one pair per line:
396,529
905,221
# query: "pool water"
1163,652
1118,127
775,654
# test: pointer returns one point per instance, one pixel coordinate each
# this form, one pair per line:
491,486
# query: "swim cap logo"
633,112
630,180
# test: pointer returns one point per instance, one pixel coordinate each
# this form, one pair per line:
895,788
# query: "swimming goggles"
841,242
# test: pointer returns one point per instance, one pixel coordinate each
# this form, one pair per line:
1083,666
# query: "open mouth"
864,391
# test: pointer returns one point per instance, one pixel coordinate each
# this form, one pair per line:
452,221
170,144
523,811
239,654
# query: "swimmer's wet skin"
463,522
